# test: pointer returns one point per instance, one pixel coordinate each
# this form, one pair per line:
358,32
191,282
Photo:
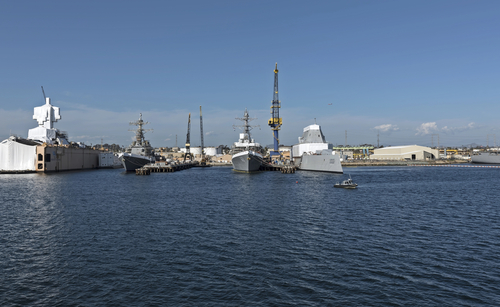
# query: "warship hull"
247,161
132,162
486,158
321,163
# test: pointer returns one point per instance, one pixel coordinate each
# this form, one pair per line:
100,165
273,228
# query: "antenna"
44,97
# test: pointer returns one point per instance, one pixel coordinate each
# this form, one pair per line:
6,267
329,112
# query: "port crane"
275,121
203,160
188,145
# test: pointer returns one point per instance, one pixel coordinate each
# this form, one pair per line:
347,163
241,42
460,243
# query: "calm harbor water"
422,236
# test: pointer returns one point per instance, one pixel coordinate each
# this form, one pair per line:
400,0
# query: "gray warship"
247,155
491,157
313,153
140,152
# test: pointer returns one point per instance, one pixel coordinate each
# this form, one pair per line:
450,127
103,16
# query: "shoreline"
401,163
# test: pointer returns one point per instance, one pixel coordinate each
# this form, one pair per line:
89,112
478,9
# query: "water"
201,237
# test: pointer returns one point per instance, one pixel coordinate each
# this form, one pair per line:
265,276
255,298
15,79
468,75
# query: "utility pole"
345,145
176,140
433,139
378,139
488,139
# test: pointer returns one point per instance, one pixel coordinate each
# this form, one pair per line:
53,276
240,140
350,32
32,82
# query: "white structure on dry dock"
46,116
46,149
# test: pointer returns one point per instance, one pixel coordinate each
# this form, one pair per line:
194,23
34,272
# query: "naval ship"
313,153
140,152
247,155
492,157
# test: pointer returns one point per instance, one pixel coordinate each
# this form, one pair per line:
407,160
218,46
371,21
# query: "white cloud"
386,128
426,128
469,126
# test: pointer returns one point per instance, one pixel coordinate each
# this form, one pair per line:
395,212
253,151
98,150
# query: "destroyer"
247,155
140,152
313,153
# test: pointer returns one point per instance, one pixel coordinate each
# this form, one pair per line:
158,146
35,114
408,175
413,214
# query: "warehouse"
409,152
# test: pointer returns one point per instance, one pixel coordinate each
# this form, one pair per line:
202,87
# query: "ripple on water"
407,236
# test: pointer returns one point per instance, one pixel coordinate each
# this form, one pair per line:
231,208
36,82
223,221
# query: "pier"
163,168
285,169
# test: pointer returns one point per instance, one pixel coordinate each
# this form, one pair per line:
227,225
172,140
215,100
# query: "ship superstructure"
247,154
314,153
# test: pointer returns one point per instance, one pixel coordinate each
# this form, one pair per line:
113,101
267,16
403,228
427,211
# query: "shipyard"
249,153
47,149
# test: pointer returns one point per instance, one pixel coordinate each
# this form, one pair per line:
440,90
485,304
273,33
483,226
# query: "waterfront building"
408,152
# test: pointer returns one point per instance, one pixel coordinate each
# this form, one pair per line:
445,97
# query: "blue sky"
403,69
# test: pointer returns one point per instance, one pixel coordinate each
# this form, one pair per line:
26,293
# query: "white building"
193,150
213,151
209,151
408,152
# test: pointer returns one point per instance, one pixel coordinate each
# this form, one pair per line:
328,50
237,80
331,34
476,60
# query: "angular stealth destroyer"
140,152
247,155
490,157
313,153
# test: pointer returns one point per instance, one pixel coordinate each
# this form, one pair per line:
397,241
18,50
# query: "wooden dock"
285,169
163,168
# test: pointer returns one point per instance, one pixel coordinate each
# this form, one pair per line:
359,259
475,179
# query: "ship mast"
275,121
139,132
246,127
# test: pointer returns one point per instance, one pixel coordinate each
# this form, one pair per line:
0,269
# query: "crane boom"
275,121
188,145
44,97
201,133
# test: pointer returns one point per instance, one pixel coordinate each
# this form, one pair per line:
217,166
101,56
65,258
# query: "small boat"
346,184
